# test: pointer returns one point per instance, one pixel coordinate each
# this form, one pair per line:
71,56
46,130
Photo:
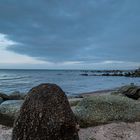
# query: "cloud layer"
75,33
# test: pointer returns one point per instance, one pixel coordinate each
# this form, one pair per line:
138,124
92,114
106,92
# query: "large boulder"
45,115
130,91
9,110
97,110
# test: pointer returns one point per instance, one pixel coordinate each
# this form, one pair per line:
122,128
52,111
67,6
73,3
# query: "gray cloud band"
80,30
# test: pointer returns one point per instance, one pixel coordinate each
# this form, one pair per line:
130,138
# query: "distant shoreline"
88,70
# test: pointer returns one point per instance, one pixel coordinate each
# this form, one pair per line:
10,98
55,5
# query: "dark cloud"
73,30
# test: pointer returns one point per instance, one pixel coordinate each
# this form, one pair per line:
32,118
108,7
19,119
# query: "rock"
9,110
130,91
97,110
1,100
45,115
13,96
16,96
135,73
4,96
74,101
84,74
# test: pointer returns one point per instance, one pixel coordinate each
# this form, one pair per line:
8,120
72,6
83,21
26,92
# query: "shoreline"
98,92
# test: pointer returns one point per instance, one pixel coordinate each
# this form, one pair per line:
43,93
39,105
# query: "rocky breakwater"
126,73
135,73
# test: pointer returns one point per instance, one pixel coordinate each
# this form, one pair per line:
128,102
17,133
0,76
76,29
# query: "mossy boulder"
131,91
92,111
9,110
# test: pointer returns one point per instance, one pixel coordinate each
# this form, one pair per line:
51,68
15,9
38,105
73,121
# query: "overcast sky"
70,34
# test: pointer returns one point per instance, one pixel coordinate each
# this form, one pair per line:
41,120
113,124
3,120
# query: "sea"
73,82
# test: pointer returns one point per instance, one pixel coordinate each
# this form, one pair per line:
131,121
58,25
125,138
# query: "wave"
14,78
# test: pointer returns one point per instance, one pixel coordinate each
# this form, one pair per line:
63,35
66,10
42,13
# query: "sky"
69,34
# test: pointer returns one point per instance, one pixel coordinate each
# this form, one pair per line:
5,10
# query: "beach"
114,130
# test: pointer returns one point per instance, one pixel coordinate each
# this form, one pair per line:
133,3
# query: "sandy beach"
113,131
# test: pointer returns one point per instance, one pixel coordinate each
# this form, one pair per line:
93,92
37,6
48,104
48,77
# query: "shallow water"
70,81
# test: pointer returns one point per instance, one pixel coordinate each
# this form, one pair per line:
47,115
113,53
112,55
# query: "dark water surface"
69,80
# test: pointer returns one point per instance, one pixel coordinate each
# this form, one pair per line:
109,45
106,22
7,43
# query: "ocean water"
71,81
